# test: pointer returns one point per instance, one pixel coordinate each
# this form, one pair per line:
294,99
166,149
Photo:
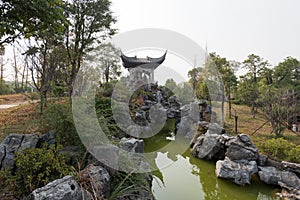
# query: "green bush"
35,168
294,154
59,91
280,149
59,116
105,116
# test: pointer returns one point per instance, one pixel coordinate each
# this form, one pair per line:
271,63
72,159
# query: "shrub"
280,149
105,116
59,116
37,167
129,185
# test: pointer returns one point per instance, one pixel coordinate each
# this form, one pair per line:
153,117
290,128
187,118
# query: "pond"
181,176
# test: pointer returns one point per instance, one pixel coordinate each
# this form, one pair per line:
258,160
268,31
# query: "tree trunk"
106,73
41,103
1,76
15,69
229,104
229,109
23,78
236,124
222,110
253,112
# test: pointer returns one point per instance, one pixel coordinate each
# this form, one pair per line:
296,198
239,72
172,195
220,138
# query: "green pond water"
180,176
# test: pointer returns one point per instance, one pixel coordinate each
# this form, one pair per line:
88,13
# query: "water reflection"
186,177
181,184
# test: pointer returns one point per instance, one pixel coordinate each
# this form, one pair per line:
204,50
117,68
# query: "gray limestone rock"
215,128
17,142
271,175
60,189
240,172
207,146
241,148
187,127
48,138
13,143
99,179
29,141
132,145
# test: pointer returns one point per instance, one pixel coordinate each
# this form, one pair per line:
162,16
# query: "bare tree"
42,66
16,70
2,51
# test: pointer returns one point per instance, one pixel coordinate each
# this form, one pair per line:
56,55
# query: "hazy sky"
232,28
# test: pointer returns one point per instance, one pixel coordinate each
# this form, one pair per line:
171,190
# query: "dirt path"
14,100
7,106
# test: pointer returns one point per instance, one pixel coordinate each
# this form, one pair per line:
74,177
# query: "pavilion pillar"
152,76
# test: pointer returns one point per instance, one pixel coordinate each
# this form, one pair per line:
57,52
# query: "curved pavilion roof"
148,62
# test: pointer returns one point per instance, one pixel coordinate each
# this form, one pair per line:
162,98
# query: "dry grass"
247,125
19,119
12,99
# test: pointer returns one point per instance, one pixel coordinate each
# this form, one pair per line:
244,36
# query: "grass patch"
247,125
20,119
13,98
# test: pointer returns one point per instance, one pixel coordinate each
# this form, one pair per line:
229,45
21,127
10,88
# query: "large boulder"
240,172
186,127
241,148
17,142
99,179
132,145
48,139
7,148
215,128
13,143
60,189
271,175
264,161
209,146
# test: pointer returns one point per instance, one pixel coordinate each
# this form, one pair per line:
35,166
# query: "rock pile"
238,160
94,176
17,142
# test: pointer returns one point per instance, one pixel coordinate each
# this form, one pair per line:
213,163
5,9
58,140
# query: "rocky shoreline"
97,175
238,160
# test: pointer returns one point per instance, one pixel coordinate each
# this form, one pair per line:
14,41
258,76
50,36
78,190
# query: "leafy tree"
267,75
245,89
278,94
26,18
185,93
287,72
198,82
225,78
230,82
255,64
171,85
90,21
194,76
106,57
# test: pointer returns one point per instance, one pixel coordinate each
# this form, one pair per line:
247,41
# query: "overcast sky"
232,28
